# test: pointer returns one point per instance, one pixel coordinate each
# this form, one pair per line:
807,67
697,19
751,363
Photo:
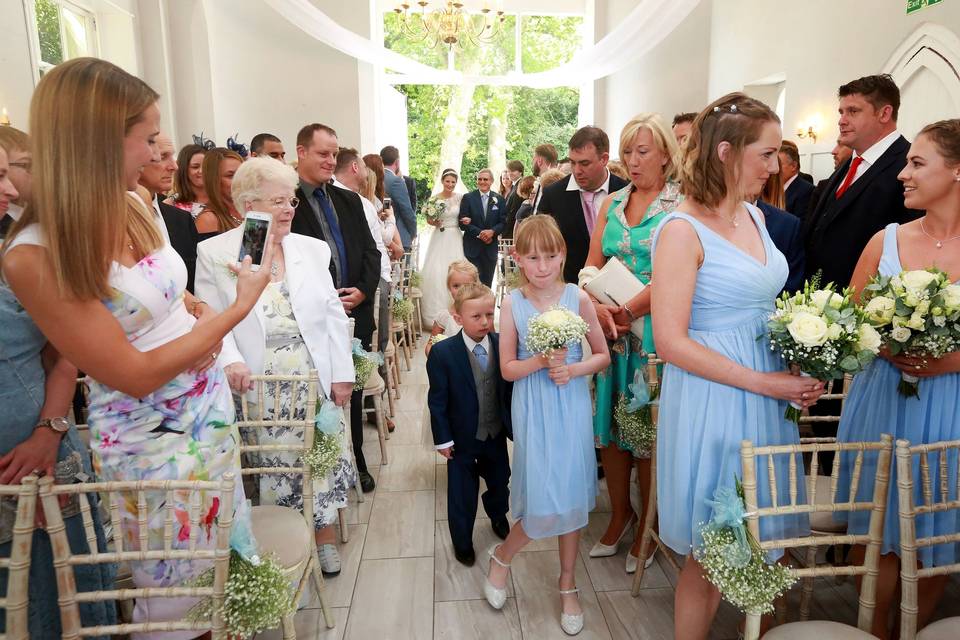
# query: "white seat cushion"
283,532
824,520
374,383
816,630
946,629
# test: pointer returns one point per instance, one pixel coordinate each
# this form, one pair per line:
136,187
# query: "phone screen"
254,239
387,202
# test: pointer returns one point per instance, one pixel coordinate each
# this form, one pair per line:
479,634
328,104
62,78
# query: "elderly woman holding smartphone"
297,325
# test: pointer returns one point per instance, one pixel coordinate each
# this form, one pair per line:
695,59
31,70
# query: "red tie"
851,174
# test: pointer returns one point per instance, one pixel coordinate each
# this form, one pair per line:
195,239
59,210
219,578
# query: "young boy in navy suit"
469,405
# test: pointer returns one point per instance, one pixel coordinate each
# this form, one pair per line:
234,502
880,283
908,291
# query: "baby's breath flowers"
437,338
324,456
257,597
364,364
401,308
822,333
634,417
917,313
732,558
556,328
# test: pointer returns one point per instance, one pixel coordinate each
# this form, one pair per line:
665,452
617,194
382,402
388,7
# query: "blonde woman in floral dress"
298,325
88,263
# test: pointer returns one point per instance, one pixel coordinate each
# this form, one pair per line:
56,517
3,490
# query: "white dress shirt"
598,196
871,155
471,344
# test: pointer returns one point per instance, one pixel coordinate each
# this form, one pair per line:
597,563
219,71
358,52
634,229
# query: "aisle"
400,580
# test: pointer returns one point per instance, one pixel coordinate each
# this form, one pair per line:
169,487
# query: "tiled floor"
400,580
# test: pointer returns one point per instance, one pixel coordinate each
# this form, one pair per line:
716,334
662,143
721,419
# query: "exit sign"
916,5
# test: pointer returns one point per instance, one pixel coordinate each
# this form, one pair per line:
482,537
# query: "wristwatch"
59,425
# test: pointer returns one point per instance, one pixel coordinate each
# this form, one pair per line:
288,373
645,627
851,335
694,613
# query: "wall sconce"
4,118
809,129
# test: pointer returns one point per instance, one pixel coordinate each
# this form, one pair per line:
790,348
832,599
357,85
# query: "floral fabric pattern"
287,354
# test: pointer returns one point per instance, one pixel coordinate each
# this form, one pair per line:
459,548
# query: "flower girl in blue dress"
931,181
716,274
554,479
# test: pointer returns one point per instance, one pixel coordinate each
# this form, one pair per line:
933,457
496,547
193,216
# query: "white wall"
817,44
670,79
16,69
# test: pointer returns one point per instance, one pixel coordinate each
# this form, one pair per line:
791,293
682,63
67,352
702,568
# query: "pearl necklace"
938,241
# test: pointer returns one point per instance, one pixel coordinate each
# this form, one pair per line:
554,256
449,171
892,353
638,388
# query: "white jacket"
316,305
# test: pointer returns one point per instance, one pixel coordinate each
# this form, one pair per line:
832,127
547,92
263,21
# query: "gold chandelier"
450,25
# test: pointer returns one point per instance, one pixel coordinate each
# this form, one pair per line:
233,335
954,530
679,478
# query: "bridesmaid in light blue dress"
721,383
554,482
874,407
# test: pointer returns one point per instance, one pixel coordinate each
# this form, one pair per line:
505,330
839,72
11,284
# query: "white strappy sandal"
572,624
496,597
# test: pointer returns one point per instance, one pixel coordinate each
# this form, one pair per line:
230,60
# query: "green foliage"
48,26
533,116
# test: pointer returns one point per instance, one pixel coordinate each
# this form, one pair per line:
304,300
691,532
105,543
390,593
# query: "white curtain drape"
644,28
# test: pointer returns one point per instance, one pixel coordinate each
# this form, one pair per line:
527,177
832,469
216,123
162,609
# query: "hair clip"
203,142
239,149
732,108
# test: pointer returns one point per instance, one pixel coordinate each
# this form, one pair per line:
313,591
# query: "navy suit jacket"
396,188
452,397
494,218
798,197
183,237
836,230
784,230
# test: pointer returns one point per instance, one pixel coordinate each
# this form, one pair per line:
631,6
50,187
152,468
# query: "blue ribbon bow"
360,352
639,391
241,537
728,512
328,418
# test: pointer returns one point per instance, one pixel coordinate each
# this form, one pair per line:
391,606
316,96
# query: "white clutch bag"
616,285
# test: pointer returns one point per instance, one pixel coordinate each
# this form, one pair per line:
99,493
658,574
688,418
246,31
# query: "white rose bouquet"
917,313
821,333
433,211
554,329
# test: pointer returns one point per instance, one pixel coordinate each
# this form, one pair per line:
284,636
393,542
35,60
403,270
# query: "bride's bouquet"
433,211
554,329
822,334
917,314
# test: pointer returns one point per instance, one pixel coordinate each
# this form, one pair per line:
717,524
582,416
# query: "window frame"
39,66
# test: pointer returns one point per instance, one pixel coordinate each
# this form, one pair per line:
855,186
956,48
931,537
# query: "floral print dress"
182,431
287,354
630,245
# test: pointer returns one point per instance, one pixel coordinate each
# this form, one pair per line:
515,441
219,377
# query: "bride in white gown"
446,246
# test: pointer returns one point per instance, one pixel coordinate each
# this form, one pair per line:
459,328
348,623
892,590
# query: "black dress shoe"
367,482
465,556
501,527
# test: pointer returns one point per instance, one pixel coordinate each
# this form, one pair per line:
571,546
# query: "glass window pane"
549,41
492,53
48,28
74,33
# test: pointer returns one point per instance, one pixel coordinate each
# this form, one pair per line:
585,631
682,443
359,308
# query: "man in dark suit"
411,186
784,230
176,224
469,405
396,189
483,212
863,195
575,202
796,189
515,169
336,216
841,153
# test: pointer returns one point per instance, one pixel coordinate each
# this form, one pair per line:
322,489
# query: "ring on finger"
803,395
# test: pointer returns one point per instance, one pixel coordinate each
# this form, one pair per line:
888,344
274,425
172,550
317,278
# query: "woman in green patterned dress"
623,230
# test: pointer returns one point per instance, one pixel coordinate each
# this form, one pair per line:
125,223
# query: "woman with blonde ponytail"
88,263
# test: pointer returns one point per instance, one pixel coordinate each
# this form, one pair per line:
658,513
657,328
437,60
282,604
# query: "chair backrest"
940,495
771,458
137,534
303,393
831,394
18,564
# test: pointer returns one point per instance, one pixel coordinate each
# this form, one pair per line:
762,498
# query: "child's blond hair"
540,233
472,291
462,266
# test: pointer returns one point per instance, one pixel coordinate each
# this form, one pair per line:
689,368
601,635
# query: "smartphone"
256,230
387,202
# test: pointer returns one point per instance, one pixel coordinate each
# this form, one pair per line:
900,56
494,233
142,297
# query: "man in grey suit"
396,188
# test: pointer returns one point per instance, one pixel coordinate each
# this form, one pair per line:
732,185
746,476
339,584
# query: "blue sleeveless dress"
553,487
874,407
702,422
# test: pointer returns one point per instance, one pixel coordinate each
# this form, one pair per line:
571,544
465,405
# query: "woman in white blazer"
297,325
